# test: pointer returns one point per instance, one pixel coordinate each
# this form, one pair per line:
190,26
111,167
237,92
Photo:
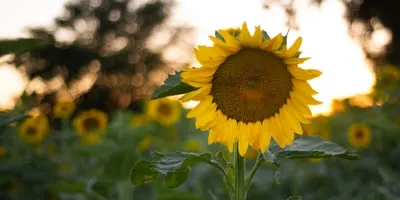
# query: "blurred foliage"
370,13
108,40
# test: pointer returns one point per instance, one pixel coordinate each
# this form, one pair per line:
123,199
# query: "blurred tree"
100,52
371,14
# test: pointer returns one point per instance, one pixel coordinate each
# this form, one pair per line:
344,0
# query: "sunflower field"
251,135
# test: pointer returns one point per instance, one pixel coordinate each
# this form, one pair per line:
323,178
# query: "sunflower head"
139,120
3,150
359,135
165,110
90,122
63,109
34,130
250,89
192,145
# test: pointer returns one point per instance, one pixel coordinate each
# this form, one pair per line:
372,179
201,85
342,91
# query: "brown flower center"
359,134
91,124
31,130
164,109
251,85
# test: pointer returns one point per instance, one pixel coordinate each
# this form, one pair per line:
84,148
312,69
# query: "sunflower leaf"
174,166
10,118
265,36
172,86
20,45
313,147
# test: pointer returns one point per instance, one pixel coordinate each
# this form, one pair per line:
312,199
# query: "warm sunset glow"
324,30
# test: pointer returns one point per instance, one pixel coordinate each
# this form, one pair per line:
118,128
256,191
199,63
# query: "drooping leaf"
20,45
172,86
8,118
313,147
175,166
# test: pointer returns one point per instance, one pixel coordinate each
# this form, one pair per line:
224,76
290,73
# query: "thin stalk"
239,168
249,178
220,168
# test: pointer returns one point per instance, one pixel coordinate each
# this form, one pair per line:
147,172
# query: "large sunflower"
165,110
34,130
90,125
250,88
359,135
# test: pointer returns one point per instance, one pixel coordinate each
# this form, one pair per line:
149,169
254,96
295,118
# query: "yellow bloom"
90,122
192,145
63,109
359,135
145,143
250,89
139,120
34,130
166,111
3,150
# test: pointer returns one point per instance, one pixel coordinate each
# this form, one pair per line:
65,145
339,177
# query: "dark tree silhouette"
369,13
108,40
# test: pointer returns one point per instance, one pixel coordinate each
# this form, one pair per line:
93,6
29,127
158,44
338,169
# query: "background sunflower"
166,111
359,135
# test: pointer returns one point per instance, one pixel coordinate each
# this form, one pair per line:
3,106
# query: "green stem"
220,168
249,178
240,193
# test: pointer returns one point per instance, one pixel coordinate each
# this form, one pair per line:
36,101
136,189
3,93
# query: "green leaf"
174,179
168,194
20,45
265,36
175,166
6,119
313,147
295,198
172,86
269,157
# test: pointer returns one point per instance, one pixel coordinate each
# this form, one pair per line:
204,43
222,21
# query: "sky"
324,31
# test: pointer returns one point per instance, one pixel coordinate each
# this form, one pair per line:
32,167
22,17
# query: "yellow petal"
265,135
287,133
294,49
296,113
304,109
291,120
267,45
305,99
245,37
214,54
198,72
295,61
277,44
230,134
303,74
202,92
212,136
207,116
255,135
243,140
199,109
276,133
211,124
257,37
223,45
303,87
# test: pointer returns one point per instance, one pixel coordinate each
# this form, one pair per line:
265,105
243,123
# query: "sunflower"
34,130
250,89
63,109
3,150
90,122
166,111
359,135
